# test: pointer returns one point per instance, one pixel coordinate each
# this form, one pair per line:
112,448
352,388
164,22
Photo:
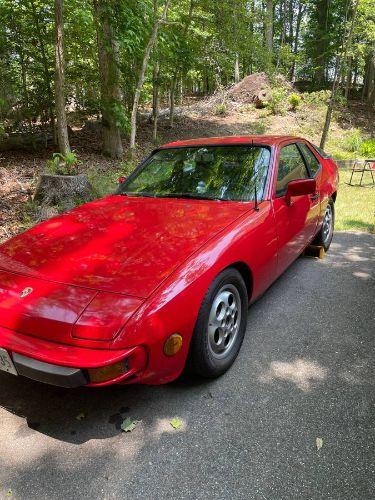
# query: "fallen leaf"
80,416
128,424
319,443
176,423
9,493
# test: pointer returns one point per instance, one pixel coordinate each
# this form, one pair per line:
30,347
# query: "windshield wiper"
138,195
190,196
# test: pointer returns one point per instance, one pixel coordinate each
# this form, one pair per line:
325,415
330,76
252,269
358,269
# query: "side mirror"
299,188
121,179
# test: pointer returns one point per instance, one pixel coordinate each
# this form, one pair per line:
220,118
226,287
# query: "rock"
63,190
260,100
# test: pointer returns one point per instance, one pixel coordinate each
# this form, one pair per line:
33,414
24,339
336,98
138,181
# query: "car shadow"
79,415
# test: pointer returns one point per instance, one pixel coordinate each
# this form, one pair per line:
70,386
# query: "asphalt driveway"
306,371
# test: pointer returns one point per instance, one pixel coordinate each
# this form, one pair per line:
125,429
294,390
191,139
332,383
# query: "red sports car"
135,286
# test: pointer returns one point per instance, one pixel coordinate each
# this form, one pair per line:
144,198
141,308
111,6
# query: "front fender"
174,306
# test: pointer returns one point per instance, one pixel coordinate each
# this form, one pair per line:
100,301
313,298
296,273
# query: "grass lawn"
355,205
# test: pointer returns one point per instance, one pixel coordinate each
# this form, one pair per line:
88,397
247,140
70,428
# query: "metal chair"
362,166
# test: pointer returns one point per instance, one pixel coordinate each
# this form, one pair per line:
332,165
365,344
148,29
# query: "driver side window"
291,167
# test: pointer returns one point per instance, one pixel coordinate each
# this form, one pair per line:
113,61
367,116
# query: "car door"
316,171
295,223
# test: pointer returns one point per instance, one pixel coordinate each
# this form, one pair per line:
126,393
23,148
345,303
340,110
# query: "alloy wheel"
224,321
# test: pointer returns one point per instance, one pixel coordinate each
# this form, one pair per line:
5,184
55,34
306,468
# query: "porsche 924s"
138,285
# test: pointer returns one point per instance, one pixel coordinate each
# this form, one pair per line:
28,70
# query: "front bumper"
66,365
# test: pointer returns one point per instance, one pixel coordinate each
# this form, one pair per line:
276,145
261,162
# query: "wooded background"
105,59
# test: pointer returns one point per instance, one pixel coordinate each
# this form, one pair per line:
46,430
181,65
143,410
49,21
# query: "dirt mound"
250,88
253,89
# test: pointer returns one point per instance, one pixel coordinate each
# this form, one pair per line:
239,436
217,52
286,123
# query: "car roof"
269,140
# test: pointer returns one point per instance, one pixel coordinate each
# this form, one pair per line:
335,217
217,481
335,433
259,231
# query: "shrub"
294,101
63,164
246,108
367,148
353,141
221,109
316,98
276,101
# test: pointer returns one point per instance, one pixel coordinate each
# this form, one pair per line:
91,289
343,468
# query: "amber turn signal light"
173,344
105,373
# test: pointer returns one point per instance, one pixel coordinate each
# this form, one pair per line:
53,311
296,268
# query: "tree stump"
64,190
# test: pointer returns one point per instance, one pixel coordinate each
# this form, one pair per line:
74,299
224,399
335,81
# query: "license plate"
6,363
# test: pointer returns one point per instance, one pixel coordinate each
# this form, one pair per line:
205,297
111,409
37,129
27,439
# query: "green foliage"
317,98
276,102
197,47
367,148
104,182
294,101
353,141
246,108
352,145
63,164
258,128
355,204
221,109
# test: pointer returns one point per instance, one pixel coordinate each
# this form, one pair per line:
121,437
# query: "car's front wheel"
221,325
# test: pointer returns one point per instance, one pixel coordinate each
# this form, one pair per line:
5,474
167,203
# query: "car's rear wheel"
325,234
221,325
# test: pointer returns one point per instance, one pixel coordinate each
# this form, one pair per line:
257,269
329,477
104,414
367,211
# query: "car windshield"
217,172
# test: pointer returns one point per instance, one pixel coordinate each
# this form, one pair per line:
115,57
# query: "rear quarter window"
311,160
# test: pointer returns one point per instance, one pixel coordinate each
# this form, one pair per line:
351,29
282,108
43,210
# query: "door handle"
314,196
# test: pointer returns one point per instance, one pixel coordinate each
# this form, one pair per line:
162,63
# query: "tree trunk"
47,80
320,56
63,190
346,43
355,76
237,68
62,128
268,30
180,91
111,104
348,77
295,47
291,22
368,93
141,78
155,101
25,94
172,92
174,81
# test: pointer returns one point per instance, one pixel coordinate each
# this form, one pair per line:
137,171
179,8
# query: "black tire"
203,360
322,239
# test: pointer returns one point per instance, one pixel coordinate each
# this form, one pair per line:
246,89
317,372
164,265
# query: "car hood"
118,244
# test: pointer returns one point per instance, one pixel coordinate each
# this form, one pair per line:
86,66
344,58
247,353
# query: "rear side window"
291,167
310,158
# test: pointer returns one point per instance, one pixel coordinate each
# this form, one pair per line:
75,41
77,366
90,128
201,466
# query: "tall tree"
41,37
268,29
345,47
111,105
62,128
142,73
